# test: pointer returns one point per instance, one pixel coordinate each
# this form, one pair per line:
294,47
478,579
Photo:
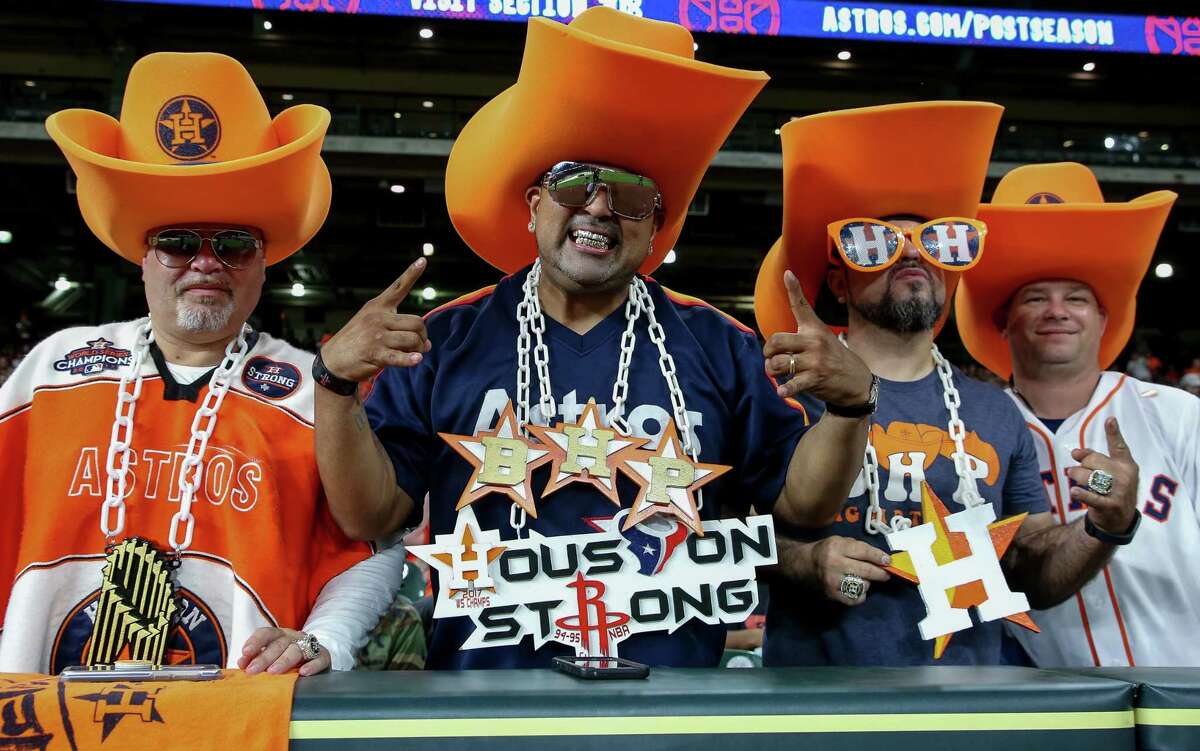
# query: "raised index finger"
801,310
1117,448
396,292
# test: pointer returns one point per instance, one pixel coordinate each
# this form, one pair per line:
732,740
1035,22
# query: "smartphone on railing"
600,667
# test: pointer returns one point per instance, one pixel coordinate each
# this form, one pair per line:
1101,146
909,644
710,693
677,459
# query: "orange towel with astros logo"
42,712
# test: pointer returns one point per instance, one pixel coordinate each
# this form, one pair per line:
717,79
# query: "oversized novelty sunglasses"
952,243
177,248
575,184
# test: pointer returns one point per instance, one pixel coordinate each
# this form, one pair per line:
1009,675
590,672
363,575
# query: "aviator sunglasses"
951,243
177,247
574,185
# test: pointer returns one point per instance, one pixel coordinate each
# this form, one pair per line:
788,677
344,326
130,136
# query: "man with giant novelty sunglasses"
893,254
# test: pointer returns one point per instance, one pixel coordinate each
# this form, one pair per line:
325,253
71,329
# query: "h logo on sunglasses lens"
956,244
861,246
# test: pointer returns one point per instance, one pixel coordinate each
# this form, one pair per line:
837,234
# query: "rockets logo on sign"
954,559
98,356
592,591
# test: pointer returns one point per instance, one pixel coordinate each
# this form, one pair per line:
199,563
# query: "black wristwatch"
1112,539
858,410
336,384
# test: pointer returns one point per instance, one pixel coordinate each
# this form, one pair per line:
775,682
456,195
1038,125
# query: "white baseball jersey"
1143,608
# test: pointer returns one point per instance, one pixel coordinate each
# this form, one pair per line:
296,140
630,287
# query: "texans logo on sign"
269,378
653,541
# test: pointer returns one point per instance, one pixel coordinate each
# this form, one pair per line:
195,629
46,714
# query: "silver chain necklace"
203,424
967,492
531,319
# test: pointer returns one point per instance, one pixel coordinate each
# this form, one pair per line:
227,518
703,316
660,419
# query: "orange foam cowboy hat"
195,143
928,159
608,88
1050,221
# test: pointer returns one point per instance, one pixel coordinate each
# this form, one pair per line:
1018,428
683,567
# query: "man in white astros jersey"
161,496
1055,305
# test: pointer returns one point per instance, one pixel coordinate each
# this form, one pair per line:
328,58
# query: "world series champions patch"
271,378
188,128
98,356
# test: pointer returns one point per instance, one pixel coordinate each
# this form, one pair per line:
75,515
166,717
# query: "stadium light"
287,97
1110,143
1068,143
426,33
298,290
844,55
5,237
695,46
62,283
427,249
1164,271
267,25
427,104
1088,67
428,293
670,257
396,115
397,188
31,84
1164,147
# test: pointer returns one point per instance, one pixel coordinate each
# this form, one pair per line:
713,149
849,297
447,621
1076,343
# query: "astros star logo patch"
466,555
188,128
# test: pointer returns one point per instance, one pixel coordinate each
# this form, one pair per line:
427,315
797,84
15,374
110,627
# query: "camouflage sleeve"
398,641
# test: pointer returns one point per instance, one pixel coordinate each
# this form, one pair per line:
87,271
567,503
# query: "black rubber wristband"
858,410
1112,539
336,384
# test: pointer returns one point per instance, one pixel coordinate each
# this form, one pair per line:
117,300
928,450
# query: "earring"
531,225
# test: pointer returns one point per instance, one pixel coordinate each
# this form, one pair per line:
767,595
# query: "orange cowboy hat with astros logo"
195,143
1050,221
926,159
608,88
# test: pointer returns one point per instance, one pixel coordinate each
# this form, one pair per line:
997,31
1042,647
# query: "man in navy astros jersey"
603,191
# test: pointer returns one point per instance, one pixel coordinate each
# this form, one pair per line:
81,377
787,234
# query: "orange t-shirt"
264,543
